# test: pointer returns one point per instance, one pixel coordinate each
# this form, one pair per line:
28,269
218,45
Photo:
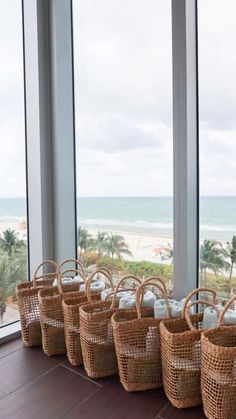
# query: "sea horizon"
143,214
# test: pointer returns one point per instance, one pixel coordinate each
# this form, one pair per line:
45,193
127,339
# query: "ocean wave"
150,224
126,223
11,219
218,228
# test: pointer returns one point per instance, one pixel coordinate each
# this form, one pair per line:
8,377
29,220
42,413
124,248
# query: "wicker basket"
27,298
96,334
137,343
180,349
72,319
218,370
51,312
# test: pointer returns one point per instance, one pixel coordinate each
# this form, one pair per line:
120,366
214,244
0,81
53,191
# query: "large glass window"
217,94
123,93
13,226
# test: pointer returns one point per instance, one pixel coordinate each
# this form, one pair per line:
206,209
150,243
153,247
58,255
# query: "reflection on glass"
123,92
13,225
217,94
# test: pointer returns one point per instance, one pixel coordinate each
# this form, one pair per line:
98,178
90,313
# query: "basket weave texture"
218,365
72,318
28,304
180,350
51,311
137,342
96,334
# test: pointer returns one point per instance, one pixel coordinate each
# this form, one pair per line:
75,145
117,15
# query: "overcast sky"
123,79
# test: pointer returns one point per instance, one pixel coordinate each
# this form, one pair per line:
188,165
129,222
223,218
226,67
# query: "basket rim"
117,316
187,332
205,339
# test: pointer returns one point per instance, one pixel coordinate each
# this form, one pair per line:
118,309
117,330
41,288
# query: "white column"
185,143
48,64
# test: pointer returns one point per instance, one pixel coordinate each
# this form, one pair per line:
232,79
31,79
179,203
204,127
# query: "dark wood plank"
113,402
24,365
191,413
80,370
2,395
9,347
51,396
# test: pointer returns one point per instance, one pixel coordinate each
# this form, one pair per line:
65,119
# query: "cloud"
123,81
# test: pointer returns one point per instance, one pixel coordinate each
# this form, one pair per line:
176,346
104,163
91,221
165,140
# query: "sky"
123,97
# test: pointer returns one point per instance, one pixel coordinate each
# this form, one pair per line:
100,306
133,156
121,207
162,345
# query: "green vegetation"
106,244
212,257
10,243
13,266
215,261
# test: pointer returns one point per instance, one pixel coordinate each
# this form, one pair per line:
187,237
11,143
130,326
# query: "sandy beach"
18,226
143,246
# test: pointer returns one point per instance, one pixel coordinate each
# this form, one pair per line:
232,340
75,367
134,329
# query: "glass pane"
123,92
217,91
13,226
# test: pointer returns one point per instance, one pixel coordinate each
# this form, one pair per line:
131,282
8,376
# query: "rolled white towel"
191,311
230,317
119,295
210,317
176,308
68,280
129,301
95,286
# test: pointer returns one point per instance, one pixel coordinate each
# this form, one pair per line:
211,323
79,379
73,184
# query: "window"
217,134
13,225
123,94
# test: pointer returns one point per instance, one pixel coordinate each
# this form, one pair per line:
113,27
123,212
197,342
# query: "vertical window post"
49,101
185,143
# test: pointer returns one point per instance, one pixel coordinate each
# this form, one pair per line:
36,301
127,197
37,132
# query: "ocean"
147,215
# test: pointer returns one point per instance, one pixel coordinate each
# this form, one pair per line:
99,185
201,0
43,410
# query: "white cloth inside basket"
53,322
68,280
210,317
105,293
32,316
132,351
102,340
129,301
176,308
98,285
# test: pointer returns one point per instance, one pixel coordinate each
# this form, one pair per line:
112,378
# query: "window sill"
10,332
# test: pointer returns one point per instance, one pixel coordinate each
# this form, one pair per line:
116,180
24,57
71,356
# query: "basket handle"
139,297
76,262
105,269
197,291
187,315
122,280
45,262
107,275
226,307
158,279
60,276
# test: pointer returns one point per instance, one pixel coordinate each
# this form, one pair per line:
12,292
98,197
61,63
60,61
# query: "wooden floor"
33,386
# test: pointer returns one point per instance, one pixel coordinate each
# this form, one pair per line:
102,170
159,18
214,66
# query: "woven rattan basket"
218,370
72,318
180,349
51,312
96,334
27,298
137,343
